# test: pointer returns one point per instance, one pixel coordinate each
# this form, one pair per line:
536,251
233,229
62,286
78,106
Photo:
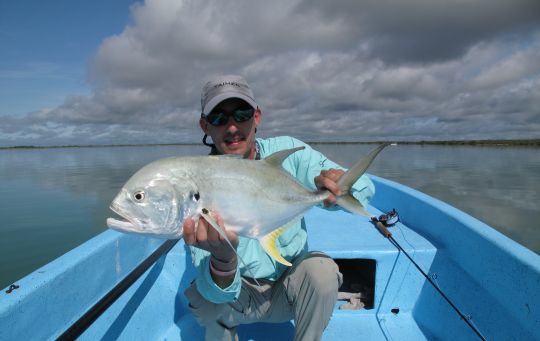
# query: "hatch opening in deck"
358,277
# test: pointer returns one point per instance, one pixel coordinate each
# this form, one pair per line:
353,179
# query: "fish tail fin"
355,172
268,243
350,203
348,179
222,233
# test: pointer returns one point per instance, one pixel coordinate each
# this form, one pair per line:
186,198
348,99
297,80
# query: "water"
52,200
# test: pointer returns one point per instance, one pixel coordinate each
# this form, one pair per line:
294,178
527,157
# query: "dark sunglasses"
219,118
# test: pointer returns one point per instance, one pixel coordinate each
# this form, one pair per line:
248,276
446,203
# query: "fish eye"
197,196
139,196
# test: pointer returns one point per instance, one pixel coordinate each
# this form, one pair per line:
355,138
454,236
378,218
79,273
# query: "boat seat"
345,235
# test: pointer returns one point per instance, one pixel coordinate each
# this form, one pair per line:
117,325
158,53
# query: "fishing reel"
390,218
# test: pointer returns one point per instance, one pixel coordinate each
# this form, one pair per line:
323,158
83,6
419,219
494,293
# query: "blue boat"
491,280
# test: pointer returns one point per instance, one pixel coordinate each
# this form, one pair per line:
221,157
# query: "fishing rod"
390,219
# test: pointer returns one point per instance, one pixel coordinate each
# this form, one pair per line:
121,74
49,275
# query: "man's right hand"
207,238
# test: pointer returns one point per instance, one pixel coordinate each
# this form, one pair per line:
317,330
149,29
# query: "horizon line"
491,142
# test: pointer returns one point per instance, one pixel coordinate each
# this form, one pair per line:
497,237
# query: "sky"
76,72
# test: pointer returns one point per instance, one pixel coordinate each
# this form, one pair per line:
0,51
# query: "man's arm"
223,262
218,277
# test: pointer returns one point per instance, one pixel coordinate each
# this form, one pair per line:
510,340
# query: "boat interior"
471,263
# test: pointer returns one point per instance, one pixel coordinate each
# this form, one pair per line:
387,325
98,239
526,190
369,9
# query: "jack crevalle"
256,198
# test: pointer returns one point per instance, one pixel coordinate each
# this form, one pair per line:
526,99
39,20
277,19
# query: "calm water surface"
52,200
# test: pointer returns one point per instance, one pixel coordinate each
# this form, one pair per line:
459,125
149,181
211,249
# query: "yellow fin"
268,243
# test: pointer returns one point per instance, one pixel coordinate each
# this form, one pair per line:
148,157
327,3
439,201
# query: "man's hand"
207,238
328,180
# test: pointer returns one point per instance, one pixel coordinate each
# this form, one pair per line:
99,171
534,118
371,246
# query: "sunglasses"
219,118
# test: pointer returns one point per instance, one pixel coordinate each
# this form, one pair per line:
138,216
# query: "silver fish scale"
253,197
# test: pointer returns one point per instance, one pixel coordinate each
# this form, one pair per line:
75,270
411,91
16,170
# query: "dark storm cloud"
423,31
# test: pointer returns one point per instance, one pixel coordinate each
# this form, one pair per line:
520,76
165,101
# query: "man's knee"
322,273
215,318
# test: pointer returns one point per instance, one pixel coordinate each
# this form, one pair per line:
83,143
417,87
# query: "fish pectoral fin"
205,214
268,243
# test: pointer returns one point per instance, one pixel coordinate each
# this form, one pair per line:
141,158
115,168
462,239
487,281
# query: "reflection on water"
55,199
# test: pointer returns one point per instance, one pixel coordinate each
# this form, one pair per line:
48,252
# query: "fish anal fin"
268,243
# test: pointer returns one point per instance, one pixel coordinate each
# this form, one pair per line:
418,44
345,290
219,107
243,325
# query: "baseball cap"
224,87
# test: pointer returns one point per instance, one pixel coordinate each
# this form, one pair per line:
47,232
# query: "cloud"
345,70
425,31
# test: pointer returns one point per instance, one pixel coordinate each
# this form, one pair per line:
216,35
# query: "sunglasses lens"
218,118
242,115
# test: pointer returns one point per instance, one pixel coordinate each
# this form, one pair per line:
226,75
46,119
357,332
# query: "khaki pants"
306,293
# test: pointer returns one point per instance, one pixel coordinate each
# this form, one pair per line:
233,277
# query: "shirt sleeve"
205,283
310,163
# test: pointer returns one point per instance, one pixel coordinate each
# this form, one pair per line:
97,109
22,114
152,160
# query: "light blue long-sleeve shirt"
304,165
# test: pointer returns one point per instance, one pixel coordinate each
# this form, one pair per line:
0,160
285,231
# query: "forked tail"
345,183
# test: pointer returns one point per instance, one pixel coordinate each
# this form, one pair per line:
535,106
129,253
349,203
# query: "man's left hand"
328,180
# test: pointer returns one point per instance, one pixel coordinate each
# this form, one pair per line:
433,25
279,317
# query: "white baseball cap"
225,87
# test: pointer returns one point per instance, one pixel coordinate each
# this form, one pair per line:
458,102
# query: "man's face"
233,137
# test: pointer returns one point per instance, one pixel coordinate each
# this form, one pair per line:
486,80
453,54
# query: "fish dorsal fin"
276,159
355,172
268,242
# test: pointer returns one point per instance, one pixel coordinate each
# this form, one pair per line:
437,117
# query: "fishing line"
390,219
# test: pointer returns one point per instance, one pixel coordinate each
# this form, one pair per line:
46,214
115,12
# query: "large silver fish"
256,198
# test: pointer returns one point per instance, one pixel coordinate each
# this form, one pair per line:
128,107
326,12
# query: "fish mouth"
125,224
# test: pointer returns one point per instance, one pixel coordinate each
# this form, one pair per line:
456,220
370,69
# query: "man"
224,295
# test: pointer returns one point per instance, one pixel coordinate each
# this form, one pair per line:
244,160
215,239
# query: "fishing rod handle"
382,228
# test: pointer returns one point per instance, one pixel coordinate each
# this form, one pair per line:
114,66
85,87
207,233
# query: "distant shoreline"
523,142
